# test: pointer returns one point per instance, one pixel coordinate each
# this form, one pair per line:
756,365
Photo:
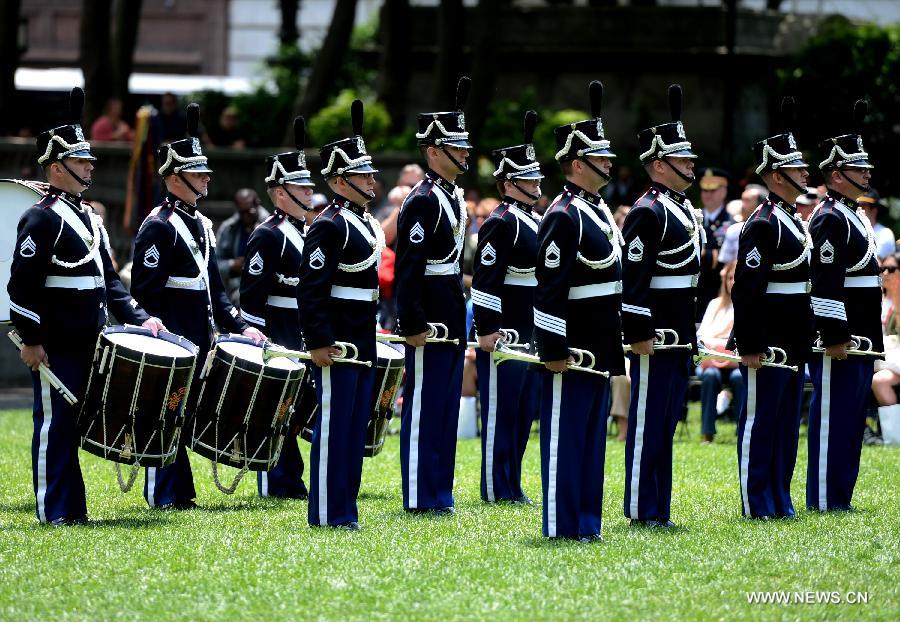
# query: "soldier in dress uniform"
771,309
846,300
430,233
716,219
503,298
269,287
61,288
663,240
174,276
338,295
576,305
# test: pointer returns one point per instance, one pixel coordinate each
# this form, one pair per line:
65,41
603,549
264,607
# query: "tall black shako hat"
667,139
185,155
66,141
780,151
847,151
447,128
585,138
518,162
290,167
348,156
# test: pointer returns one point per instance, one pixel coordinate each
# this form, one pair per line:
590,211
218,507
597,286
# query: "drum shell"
16,196
307,408
244,410
133,414
388,376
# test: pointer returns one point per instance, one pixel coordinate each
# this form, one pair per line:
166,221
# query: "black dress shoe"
351,526
62,521
665,524
594,537
184,505
80,520
647,523
447,511
523,500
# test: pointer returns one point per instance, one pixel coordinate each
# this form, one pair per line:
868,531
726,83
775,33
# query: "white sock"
467,427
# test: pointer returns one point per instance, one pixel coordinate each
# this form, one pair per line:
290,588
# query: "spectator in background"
410,175
885,241
100,209
379,205
620,214
481,211
541,206
109,126
171,119
622,190
753,195
716,220
887,372
387,302
227,133
318,203
232,237
806,203
388,222
718,320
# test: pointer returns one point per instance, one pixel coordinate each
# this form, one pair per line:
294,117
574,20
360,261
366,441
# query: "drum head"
388,355
253,353
148,344
16,196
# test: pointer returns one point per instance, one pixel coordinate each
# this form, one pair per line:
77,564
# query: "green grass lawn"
242,557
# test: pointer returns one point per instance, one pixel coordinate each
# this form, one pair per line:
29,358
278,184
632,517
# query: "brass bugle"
859,346
774,357
437,333
665,339
347,353
584,360
509,337
45,372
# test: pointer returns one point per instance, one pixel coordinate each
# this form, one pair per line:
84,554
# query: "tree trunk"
289,35
329,59
96,17
393,74
128,17
448,64
9,61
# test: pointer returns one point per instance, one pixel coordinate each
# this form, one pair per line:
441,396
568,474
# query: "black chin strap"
369,196
462,166
859,187
533,197
190,187
299,203
689,179
84,182
791,181
591,166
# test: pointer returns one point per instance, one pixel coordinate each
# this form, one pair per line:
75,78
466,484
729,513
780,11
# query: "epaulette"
563,203
46,201
648,199
423,188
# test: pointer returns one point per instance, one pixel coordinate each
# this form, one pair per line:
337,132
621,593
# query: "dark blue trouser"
506,416
339,437
286,477
56,473
711,380
658,388
837,418
574,408
768,430
431,391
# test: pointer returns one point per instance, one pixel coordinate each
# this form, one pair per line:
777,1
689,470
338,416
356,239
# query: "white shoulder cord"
806,239
612,234
696,239
459,234
377,244
93,249
188,282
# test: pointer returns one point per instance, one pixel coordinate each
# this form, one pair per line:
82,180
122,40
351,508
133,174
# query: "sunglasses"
889,269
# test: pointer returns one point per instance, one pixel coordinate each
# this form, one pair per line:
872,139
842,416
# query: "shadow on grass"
25,507
118,522
376,496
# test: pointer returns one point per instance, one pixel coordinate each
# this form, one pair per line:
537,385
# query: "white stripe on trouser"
151,486
418,372
43,441
640,412
745,442
323,445
490,433
554,455
824,426
263,484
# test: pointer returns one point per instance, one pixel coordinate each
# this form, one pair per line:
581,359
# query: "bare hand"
33,356
417,341
155,325
837,351
558,367
644,348
488,342
323,357
753,361
237,265
255,334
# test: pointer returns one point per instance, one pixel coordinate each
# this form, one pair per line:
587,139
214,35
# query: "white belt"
441,269
596,290
199,285
523,280
75,282
285,302
354,293
862,281
680,281
798,287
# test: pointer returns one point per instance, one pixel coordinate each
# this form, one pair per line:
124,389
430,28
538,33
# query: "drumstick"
48,375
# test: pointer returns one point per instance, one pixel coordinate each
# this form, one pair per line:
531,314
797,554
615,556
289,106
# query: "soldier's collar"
281,215
658,188
517,204
74,199
777,201
190,210
837,196
344,203
443,184
575,190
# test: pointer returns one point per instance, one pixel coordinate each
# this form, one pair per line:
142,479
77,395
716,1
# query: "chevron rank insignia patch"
151,257
826,253
416,234
635,250
256,265
317,259
551,256
488,255
754,258
27,248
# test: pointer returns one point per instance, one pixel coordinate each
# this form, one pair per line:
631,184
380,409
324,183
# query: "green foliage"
333,121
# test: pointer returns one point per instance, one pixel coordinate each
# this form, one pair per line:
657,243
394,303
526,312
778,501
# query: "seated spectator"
395,199
410,175
227,133
232,237
753,195
713,332
620,387
885,240
887,374
109,126
171,119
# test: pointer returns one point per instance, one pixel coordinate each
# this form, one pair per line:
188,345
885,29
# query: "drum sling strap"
202,264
